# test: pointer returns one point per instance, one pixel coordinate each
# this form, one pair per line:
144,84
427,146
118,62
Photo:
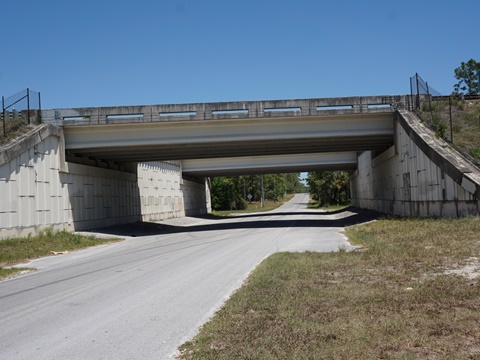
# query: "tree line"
329,187
234,192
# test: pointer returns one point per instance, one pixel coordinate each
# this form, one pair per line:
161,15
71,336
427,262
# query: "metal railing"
447,116
20,109
420,91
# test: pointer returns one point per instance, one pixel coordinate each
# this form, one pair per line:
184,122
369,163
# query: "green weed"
391,300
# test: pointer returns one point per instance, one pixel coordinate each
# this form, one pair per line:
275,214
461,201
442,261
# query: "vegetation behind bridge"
235,192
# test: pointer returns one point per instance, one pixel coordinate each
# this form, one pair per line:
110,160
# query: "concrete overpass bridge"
262,136
90,167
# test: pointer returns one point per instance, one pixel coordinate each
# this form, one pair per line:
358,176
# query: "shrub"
475,152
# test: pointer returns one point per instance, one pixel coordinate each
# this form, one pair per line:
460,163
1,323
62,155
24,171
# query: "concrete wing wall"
31,194
39,189
418,176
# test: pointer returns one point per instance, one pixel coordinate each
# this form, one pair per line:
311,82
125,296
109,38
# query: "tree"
329,187
231,192
226,194
467,76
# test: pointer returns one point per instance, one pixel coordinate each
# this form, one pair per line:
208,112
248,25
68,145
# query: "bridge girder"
270,164
231,138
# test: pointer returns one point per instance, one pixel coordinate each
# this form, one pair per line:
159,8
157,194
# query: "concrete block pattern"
411,183
35,193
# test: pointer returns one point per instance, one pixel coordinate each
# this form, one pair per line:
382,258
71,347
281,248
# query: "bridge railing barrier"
224,110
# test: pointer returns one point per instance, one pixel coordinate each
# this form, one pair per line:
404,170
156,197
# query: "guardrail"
225,110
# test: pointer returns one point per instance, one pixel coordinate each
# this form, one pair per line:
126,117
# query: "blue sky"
103,53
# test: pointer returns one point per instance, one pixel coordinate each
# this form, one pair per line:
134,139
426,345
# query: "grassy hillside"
465,116
13,129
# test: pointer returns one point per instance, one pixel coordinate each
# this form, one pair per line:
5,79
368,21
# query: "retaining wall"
419,176
39,189
165,194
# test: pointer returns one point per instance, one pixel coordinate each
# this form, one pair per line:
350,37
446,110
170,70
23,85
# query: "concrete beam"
270,164
231,137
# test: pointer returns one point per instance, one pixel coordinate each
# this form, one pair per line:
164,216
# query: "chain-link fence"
420,92
454,118
20,109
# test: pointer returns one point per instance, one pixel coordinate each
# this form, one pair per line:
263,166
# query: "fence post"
411,97
39,109
3,114
429,100
451,124
418,91
28,106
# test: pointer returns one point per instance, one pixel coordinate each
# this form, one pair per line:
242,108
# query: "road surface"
142,297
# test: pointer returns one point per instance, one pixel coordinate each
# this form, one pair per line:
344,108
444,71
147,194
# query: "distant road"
141,298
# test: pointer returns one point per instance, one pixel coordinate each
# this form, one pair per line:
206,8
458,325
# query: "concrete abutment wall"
419,176
38,189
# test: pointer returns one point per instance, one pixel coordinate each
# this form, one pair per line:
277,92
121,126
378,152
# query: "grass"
18,250
391,299
14,128
313,204
475,152
255,207
465,124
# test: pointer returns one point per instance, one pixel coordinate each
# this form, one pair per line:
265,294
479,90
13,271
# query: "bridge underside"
270,164
232,138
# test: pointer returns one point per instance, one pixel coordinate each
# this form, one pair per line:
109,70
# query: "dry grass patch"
465,124
392,300
14,128
18,250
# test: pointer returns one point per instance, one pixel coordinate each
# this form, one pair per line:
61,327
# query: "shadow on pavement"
312,212
351,217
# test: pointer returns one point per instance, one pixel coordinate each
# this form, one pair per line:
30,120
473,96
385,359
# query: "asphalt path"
142,297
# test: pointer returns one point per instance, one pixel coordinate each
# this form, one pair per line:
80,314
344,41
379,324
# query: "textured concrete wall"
196,197
38,189
418,176
164,194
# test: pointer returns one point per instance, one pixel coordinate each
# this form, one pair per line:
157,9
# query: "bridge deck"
228,129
